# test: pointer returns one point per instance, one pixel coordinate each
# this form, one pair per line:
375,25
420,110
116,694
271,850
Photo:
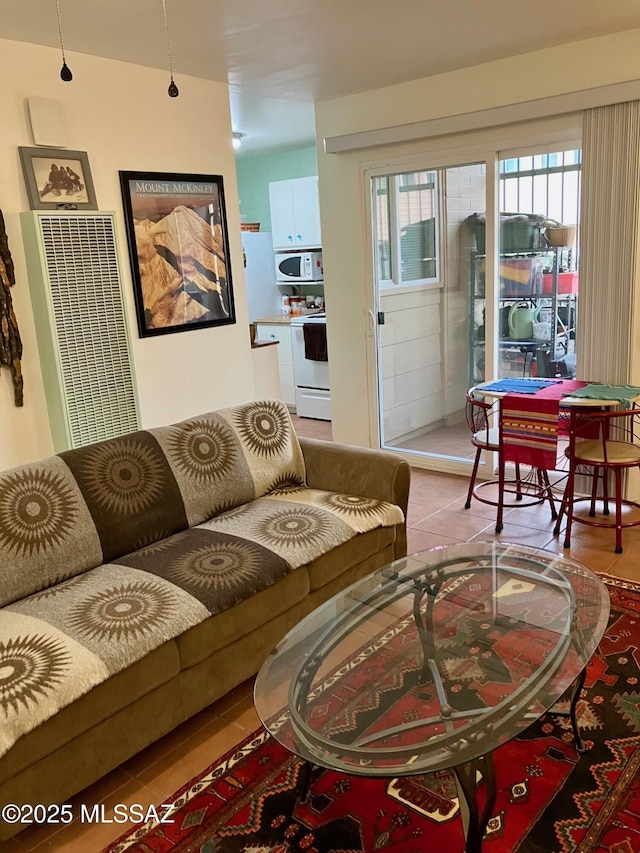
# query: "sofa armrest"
364,471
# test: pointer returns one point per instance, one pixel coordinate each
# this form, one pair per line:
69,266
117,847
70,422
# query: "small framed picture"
57,178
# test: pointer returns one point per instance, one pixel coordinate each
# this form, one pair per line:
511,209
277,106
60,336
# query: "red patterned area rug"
550,798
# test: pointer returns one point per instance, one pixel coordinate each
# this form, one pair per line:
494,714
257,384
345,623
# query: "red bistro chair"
528,435
522,490
604,445
484,436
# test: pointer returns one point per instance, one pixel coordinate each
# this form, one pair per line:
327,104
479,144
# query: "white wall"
566,68
344,198
121,115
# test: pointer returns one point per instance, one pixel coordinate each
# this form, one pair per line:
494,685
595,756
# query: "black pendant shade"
65,71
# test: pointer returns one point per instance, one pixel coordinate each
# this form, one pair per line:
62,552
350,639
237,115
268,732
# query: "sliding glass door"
449,312
539,198
422,248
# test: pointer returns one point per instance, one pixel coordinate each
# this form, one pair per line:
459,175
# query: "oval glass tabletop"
434,660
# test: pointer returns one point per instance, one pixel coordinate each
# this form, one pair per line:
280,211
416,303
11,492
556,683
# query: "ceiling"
279,57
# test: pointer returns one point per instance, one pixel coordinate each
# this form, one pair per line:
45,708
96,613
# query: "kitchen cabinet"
281,332
537,313
295,214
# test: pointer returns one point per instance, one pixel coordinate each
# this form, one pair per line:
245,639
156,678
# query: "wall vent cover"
88,326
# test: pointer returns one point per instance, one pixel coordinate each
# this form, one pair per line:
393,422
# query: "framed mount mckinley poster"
179,251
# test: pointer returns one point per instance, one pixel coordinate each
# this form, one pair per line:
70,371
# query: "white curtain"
609,240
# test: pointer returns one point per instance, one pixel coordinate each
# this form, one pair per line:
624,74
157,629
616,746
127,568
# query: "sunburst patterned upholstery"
109,551
47,533
232,456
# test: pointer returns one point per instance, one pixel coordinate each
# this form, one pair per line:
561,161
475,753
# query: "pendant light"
65,71
173,90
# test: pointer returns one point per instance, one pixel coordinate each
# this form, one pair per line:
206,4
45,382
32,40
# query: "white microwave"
299,266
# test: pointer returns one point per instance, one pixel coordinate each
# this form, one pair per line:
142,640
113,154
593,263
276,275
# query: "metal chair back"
604,444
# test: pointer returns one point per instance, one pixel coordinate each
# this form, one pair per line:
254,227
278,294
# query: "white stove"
311,367
301,319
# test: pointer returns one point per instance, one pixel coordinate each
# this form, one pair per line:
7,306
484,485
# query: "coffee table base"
467,775
474,821
573,704
308,775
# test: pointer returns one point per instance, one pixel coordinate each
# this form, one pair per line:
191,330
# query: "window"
548,184
406,227
538,333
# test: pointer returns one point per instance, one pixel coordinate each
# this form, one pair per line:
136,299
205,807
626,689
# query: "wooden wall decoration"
10,343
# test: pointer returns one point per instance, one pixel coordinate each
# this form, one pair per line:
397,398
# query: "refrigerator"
264,297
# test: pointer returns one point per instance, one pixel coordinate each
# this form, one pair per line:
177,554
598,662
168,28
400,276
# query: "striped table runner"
529,430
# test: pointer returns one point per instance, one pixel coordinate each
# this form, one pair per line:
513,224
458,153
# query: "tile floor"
436,516
447,440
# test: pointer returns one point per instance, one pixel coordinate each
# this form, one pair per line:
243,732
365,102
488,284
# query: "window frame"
397,283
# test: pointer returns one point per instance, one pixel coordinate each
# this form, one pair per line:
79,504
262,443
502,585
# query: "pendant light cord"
60,31
173,89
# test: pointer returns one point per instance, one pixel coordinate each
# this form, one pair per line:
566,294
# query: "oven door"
307,373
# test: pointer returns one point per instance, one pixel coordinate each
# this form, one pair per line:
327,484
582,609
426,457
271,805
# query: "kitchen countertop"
285,319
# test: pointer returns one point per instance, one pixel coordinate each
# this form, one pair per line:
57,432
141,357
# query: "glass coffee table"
472,643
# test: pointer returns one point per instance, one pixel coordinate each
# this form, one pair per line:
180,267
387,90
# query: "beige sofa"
143,577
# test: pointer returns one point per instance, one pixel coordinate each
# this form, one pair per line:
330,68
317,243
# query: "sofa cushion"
226,628
337,563
46,530
205,455
130,490
217,569
269,442
301,524
232,456
101,702
58,644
